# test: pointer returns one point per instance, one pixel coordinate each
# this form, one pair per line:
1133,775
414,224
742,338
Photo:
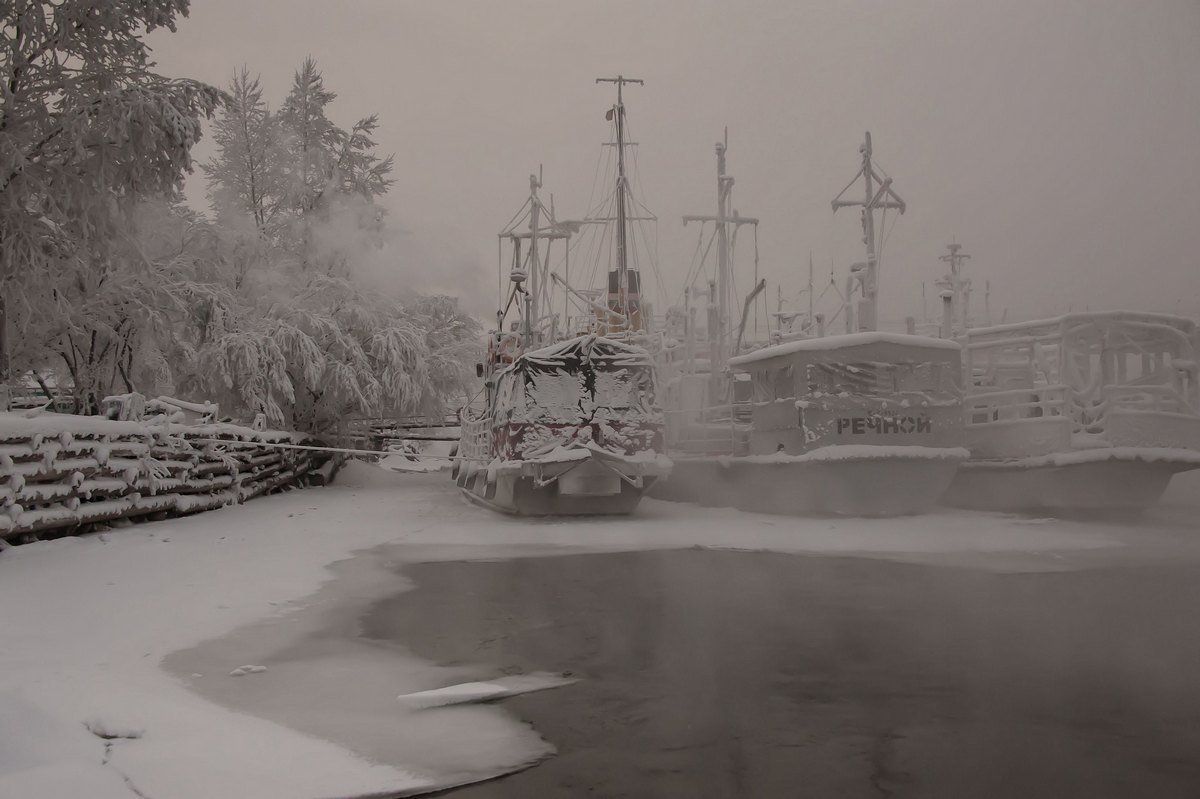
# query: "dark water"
724,674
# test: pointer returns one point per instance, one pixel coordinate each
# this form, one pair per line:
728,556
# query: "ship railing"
1017,403
475,444
1151,398
712,429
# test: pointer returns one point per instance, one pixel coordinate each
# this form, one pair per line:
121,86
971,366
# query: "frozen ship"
569,420
1088,411
570,428
863,423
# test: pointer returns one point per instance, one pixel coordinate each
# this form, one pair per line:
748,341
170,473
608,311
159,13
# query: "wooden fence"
61,474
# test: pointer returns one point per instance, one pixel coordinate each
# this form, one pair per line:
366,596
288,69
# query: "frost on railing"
1156,399
1093,370
476,441
60,472
1015,404
710,430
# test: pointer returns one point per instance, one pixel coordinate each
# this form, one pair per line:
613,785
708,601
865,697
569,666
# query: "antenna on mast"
865,276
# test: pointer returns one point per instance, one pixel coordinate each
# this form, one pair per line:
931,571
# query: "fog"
1052,139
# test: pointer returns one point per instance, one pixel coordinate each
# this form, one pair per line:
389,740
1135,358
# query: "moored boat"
570,421
867,423
864,424
1083,412
571,428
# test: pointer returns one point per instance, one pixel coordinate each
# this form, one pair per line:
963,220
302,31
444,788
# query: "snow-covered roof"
590,347
842,341
1181,323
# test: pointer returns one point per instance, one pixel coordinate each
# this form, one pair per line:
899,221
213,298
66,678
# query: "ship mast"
725,217
533,313
617,113
958,285
529,272
866,275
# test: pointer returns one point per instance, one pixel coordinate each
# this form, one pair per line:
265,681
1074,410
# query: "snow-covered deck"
88,622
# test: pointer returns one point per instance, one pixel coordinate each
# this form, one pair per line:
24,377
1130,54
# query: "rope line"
347,450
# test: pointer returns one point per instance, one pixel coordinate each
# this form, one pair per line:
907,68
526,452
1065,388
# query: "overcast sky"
1055,139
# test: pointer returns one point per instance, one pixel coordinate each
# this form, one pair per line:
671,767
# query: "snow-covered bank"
88,621
61,472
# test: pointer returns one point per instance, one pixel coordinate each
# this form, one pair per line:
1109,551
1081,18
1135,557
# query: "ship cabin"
584,391
1082,381
613,322
870,388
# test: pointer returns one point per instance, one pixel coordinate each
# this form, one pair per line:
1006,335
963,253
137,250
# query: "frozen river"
260,650
708,673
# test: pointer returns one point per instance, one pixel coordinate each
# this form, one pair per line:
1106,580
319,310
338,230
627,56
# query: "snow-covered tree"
86,131
359,170
313,138
452,339
247,177
303,341
305,185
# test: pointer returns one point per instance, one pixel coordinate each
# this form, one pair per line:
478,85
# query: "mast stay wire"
641,226
591,245
693,267
766,310
595,246
699,265
733,273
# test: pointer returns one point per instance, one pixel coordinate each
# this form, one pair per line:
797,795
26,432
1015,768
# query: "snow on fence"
61,472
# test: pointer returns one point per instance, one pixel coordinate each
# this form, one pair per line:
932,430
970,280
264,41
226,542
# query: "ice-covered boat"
864,423
1088,411
569,421
570,428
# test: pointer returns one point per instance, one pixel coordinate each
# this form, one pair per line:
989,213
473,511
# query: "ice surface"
483,691
93,618
243,670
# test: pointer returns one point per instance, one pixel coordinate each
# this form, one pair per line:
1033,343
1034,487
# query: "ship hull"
1113,485
871,486
575,488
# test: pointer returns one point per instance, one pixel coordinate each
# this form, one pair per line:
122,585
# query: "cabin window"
763,388
625,389
875,378
783,383
555,395
742,388
565,395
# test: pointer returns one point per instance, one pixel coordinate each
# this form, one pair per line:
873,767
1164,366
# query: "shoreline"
350,684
